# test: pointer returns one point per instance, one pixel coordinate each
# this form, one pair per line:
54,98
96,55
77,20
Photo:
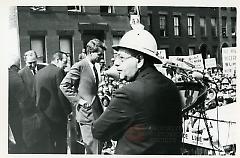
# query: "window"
203,27
162,23
191,50
233,9
37,43
214,27
190,26
76,9
233,25
38,8
107,9
224,26
149,22
65,45
176,24
133,10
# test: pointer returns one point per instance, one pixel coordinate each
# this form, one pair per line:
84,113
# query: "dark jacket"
28,79
143,116
15,100
49,98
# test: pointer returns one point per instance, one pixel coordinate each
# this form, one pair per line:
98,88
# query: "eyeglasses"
122,58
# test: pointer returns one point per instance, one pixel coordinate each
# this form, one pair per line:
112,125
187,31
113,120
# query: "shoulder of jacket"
80,63
23,70
130,88
54,69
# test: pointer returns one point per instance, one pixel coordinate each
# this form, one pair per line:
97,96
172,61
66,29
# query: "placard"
197,61
210,63
229,61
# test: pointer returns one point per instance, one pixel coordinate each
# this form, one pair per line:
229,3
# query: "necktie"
96,74
34,71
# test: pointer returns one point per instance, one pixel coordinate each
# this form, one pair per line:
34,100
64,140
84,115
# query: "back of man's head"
93,45
58,55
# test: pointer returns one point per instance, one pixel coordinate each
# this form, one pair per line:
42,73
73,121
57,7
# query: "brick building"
69,28
227,25
178,30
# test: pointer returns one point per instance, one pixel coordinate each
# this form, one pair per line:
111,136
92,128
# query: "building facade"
227,25
186,31
47,29
178,30
193,30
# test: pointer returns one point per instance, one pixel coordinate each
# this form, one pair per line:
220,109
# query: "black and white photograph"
122,79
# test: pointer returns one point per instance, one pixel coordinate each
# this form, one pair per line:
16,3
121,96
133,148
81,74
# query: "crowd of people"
223,85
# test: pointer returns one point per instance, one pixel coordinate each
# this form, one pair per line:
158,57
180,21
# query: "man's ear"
140,59
57,60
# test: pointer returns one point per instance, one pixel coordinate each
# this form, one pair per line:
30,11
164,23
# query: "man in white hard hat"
144,116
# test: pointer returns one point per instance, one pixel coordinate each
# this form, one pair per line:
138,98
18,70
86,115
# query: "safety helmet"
139,40
30,56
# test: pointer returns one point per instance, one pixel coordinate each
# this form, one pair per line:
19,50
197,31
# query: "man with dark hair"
80,86
144,116
52,103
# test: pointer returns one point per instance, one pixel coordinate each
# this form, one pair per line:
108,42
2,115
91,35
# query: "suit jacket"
16,89
23,119
49,98
79,83
144,116
28,78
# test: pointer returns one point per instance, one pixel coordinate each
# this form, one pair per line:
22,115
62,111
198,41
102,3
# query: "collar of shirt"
35,70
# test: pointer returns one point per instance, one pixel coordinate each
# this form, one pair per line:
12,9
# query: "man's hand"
84,104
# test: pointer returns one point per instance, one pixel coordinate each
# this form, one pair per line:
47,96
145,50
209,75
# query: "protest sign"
197,61
229,60
210,63
161,54
195,130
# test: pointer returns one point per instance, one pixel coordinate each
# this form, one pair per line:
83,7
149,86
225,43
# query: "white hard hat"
140,40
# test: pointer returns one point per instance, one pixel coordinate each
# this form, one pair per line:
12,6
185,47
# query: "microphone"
170,65
197,75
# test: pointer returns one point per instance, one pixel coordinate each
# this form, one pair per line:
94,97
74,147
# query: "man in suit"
15,97
28,72
52,103
80,86
144,116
